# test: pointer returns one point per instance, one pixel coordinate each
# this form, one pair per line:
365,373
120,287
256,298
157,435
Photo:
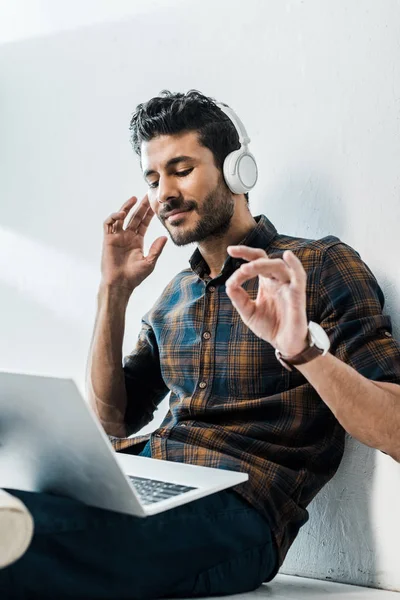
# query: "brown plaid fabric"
232,405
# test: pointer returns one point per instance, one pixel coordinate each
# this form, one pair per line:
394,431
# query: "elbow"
113,426
92,399
109,416
117,430
110,420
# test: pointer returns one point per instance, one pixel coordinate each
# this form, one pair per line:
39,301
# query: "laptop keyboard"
152,490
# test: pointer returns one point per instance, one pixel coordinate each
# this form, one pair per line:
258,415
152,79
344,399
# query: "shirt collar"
259,237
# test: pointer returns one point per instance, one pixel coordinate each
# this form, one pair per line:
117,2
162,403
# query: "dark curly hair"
172,113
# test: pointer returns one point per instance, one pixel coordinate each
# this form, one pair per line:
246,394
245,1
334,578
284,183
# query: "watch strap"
302,358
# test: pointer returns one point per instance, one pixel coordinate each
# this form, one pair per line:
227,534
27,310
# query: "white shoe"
16,528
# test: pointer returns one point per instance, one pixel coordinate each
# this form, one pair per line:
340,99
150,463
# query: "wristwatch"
319,345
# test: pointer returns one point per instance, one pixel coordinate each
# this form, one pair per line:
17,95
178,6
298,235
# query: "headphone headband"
240,128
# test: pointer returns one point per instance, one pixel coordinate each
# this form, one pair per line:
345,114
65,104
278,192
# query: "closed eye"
184,173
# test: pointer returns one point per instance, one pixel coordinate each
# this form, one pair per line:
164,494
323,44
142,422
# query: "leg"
216,545
16,529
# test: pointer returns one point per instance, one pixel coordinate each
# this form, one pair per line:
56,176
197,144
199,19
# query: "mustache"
175,205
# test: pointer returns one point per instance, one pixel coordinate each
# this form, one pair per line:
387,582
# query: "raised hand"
123,264
278,314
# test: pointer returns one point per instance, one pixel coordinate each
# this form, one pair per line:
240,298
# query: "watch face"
319,336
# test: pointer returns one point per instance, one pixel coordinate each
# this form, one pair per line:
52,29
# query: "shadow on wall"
392,299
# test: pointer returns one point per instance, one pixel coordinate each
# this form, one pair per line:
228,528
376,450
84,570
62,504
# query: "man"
253,386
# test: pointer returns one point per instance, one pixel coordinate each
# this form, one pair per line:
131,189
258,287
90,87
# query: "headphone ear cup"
240,171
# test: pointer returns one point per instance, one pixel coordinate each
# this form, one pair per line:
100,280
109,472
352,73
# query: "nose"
167,190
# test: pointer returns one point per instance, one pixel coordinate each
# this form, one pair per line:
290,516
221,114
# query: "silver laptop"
51,441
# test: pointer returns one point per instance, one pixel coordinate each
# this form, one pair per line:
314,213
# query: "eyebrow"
170,163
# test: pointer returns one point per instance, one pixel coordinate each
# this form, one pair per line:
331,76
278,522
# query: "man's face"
182,176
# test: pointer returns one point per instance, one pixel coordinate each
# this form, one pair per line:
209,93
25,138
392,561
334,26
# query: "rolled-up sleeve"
351,311
144,384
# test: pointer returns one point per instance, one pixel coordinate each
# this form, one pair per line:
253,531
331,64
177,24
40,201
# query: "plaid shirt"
232,405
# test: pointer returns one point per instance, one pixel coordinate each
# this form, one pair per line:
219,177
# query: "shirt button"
206,335
211,288
202,385
388,334
184,424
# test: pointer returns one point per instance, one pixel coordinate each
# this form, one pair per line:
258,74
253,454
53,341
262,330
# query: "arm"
368,410
123,393
350,310
105,376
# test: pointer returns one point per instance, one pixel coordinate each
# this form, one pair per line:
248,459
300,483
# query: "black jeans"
213,546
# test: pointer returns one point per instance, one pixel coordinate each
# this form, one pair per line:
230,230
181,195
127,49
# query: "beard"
215,214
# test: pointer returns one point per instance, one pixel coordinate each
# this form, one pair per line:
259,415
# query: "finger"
128,204
114,222
110,225
240,300
156,248
299,276
246,252
145,222
271,268
139,214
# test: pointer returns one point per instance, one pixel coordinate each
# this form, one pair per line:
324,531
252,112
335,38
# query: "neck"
213,250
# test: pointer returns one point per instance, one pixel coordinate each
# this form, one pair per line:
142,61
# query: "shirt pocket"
179,348
253,368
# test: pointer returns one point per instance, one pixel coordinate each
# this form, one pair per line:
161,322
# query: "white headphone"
240,167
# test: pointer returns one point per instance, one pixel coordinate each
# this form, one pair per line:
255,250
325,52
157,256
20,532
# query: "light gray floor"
285,587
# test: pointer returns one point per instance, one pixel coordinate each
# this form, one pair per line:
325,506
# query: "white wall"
317,84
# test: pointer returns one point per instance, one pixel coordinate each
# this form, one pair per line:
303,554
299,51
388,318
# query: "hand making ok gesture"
278,314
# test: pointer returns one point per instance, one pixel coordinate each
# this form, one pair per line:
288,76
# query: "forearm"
105,376
368,410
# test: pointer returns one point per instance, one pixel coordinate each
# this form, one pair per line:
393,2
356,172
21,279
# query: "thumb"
156,248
